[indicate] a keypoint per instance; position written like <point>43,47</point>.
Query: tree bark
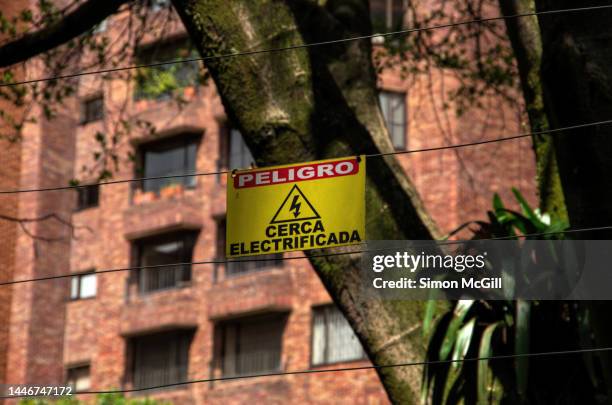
<point>314,103</point>
<point>524,34</point>
<point>577,84</point>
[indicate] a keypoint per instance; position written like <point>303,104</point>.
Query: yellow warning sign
<point>296,207</point>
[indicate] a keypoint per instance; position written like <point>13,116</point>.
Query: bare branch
<point>75,23</point>
<point>23,221</point>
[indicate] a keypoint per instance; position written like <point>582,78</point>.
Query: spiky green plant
<point>482,328</point>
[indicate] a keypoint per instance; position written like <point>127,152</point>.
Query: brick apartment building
<point>158,326</point>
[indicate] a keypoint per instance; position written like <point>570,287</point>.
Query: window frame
<point>326,362</point>
<point>71,368</point>
<point>392,125</point>
<point>179,141</point>
<point>181,342</point>
<point>161,51</point>
<point>84,196</point>
<point>392,19</point>
<point>278,319</point>
<point>275,259</point>
<point>79,279</point>
<point>188,239</point>
<point>86,118</point>
<point>226,132</point>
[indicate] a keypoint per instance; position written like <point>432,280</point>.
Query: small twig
<point>395,339</point>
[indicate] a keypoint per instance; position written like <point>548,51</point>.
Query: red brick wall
<point>48,333</point>
<point>10,156</point>
<point>37,310</point>
<point>10,167</point>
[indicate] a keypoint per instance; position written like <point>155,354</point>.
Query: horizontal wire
<point>336,370</point>
<point>309,45</point>
<point>372,155</point>
<point>313,256</point>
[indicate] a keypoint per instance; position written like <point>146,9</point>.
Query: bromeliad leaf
<point>529,212</point>
<point>486,379</point>
<point>521,344</point>
<point>464,338</point>
<point>460,312</point>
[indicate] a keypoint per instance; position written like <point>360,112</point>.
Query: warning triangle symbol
<point>295,207</point>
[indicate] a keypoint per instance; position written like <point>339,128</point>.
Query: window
<point>161,358</point>
<point>101,27</point>
<point>88,196</point>
<point>166,249</point>
<point>156,5</point>
<point>387,15</point>
<point>92,109</point>
<point>333,340</point>
<point>162,82</point>
<point>251,345</point>
<point>233,151</point>
<point>78,377</point>
<point>243,266</point>
<point>394,111</point>
<point>176,156</point>
<point>83,286</point>
<point>240,156</point>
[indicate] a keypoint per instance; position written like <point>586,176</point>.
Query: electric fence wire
<point>372,155</point>
<point>335,370</point>
<point>315,255</point>
<point>312,44</point>
<point>255,52</point>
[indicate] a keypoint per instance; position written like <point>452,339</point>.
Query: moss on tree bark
<point>317,103</point>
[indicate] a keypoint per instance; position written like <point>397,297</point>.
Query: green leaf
<point>434,375</point>
<point>430,311</point>
<point>528,211</point>
<point>464,338</point>
<point>498,205</point>
<point>521,344</point>
<point>487,388</point>
<point>460,312</point>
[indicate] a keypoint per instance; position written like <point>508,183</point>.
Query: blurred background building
<point>160,326</point>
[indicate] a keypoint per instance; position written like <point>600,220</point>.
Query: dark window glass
<point>93,109</point>
<point>240,156</point>
<point>167,249</point>
<point>156,5</point>
<point>79,378</point>
<point>243,265</point>
<point>387,15</point>
<point>393,106</point>
<point>161,358</point>
<point>333,339</point>
<point>161,82</point>
<point>88,196</point>
<point>176,156</point>
<point>233,151</point>
<point>83,286</point>
<point>251,345</point>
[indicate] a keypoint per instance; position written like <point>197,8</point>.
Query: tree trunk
<point>306,104</point>
<point>524,34</point>
<point>577,83</point>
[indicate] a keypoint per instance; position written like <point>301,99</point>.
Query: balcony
<point>261,291</point>
<point>162,215</point>
<point>164,310</point>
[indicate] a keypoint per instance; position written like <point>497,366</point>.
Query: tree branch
<point>23,221</point>
<point>75,23</point>
<point>524,34</point>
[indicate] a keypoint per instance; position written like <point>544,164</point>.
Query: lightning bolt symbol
<point>295,206</point>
